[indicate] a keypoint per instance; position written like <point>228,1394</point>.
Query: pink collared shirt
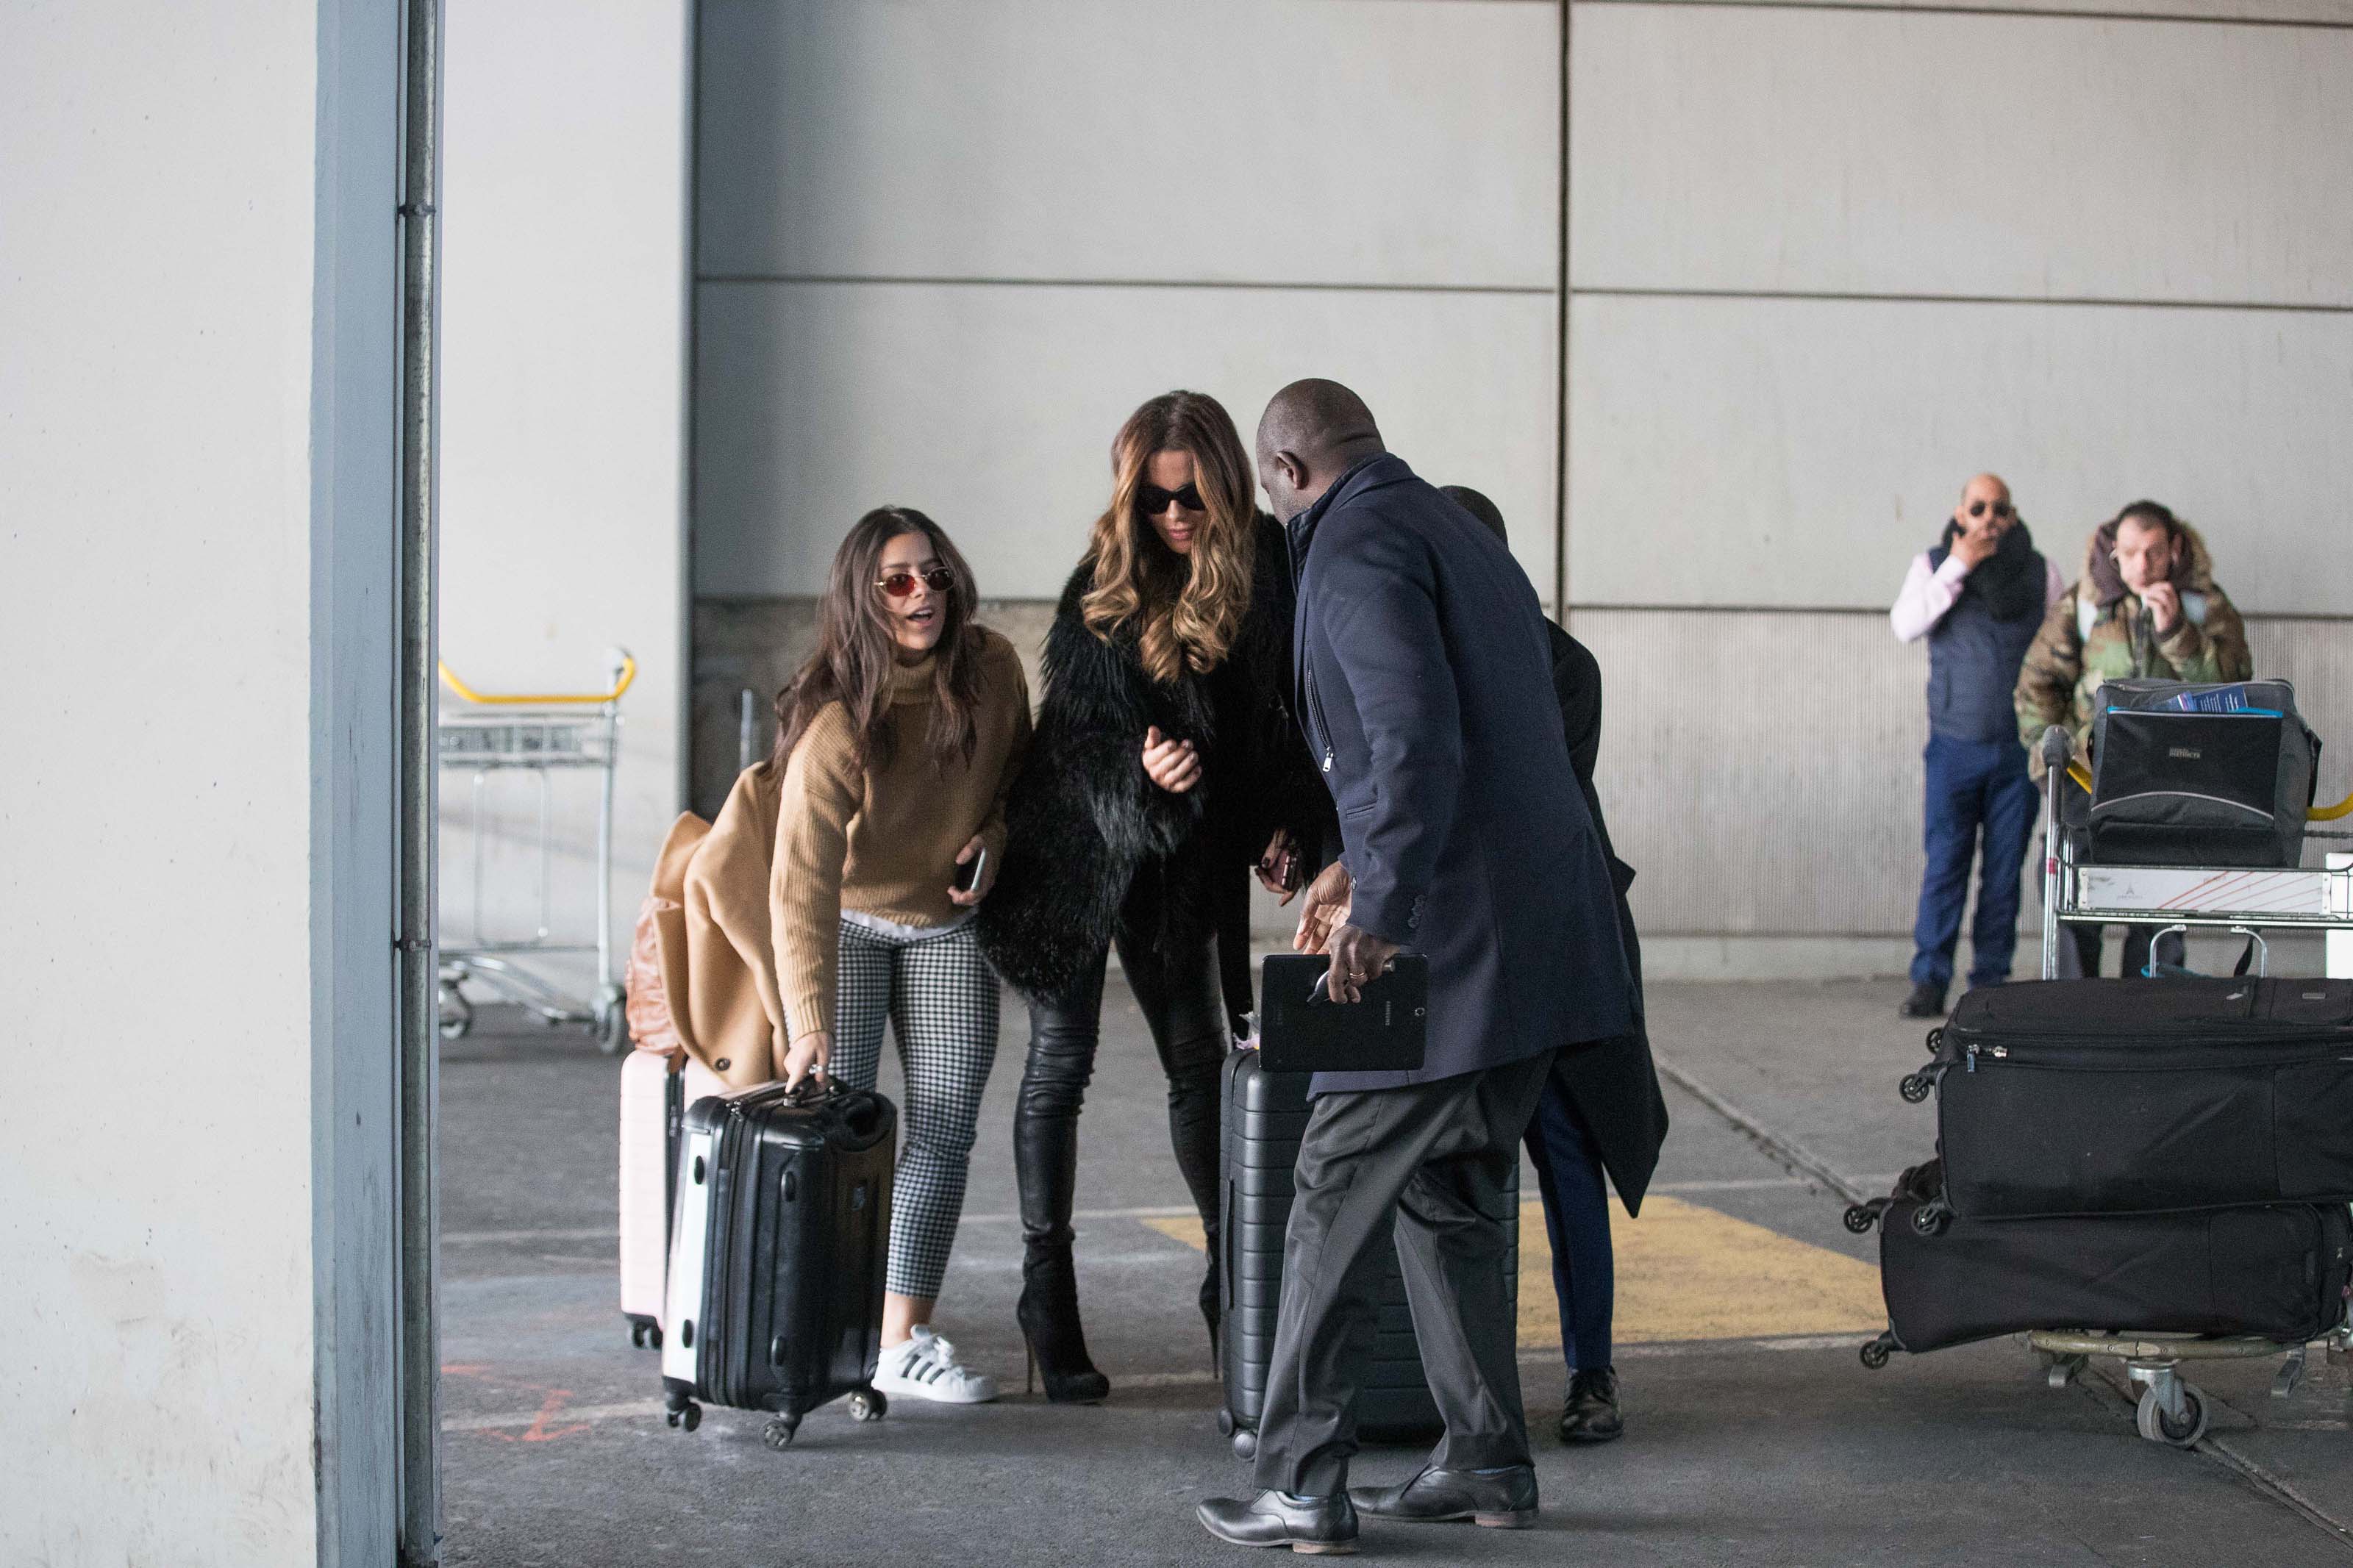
<point>1929,593</point>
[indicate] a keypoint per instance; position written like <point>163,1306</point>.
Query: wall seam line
<point>1838,297</point>
<point>1544,290</point>
<point>2037,13</point>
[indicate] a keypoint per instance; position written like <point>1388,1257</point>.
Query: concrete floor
<point>1754,1436</point>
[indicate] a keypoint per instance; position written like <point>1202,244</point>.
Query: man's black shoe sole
<point>1514,1519</point>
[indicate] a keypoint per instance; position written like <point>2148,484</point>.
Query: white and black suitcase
<point>778,1267</point>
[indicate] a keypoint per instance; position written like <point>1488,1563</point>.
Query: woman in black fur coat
<point>1166,767</point>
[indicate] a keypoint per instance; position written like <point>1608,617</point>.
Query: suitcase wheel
<point>778,1433</point>
<point>637,1335</point>
<point>689,1416</point>
<point>1860,1218</point>
<point>1929,1219</point>
<point>1915,1087</point>
<point>1224,1422</point>
<point>1245,1444</point>
<point>868,1404</point>
<point>1876,1354</point>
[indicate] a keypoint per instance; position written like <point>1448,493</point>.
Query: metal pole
<point>420,1056</point>
<point>2055,749</point>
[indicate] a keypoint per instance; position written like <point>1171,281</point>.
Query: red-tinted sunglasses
<point>899,585</point>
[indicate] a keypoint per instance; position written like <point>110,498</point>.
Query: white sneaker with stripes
<point>925,1368</point>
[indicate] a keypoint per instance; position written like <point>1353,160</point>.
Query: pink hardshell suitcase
<point>654,1097</point>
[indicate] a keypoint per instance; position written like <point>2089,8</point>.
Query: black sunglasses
<point>899,585</point>
<point>1978,508</point>
<point>1152,500</point>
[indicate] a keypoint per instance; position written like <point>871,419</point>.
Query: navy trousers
<point>1577,1216</point>
<point>1974,787</point>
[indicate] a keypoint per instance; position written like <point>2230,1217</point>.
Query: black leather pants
<point>1183,1006</point>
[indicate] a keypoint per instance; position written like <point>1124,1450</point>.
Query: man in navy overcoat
<point>1425,689</point>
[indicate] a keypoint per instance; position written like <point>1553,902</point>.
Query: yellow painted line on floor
<point>1686,1272</point>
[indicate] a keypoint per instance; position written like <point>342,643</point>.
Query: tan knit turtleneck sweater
<point>885,843</point>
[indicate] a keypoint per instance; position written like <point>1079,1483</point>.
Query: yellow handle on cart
<point>536,700</point>
<point>2313,813</point>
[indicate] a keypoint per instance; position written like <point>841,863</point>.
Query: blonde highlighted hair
<point>1185,610</point>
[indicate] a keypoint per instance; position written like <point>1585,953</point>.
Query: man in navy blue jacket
<point>1425,689</point>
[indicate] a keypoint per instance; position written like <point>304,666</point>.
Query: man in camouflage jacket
<point>2146,606</point>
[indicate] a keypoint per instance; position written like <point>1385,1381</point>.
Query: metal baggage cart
<point>540,734</point>
<point>2247,902</point>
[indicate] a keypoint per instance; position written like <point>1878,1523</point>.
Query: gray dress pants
<point>1435,1161</point>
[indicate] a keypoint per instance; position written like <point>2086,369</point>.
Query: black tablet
<point>1382,1033</point>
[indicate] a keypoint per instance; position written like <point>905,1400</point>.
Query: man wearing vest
<point>1978,598</point>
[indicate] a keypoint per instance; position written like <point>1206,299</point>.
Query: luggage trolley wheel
<point>688,1415</point>
<point>612,1020</point>
<point>868,1404</point>
<point>1224,1422</point>
<point>642,1334</point>
<point>1916,1086</point>
<point>1874,1353</point>
<point>778,1433</point>
<point>1245,1443</point>
<point>2159,1428</point>
<point>1861,1218</point>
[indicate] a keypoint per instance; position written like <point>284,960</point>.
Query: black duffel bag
<point>2200,774</point>
<point>2084,1097</point>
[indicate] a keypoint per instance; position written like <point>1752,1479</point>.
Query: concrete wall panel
<point>1767,148</point>
<point>1114,139</point>
<point>993,409</point>
<point>564,387</point>
<point>161,206</point>
<point>1741,452</point>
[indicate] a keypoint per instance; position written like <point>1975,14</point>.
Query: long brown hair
<point>1185,610</point>
<point>856,651</point>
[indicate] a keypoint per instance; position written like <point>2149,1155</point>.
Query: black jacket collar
<point>1367,474</point>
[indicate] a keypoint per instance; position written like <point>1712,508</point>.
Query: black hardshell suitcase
<point>2277,1273</point>
<point>1265,1117</point>
<point>778,1267</point>
<point>2083,1097</point>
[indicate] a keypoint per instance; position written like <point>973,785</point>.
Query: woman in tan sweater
<point>897,741</point>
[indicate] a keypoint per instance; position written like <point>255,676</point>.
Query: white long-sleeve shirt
<point>1929,593</point>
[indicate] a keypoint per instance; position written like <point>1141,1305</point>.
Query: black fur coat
<point>1092,841</point>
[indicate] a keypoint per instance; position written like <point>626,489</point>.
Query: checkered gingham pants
<point>940,997</point>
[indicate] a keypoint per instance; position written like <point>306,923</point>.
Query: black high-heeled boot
<point>1049,1315</point>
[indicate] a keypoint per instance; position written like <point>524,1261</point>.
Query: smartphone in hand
<point>967,876</point>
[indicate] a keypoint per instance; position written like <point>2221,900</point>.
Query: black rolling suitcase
<point>2277,1273</point>
<point>2083,1097</point>
<point>776,1270</point>
<point>1265,1118</point>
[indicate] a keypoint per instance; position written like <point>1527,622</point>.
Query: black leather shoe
<point>1592,1416</point>
<point>1324,1527</point>
<point>1506,1500</point>
<point>1926,1001</point>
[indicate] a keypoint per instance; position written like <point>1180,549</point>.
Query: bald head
<point>1984,509</point>
<point>1312,433</point>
